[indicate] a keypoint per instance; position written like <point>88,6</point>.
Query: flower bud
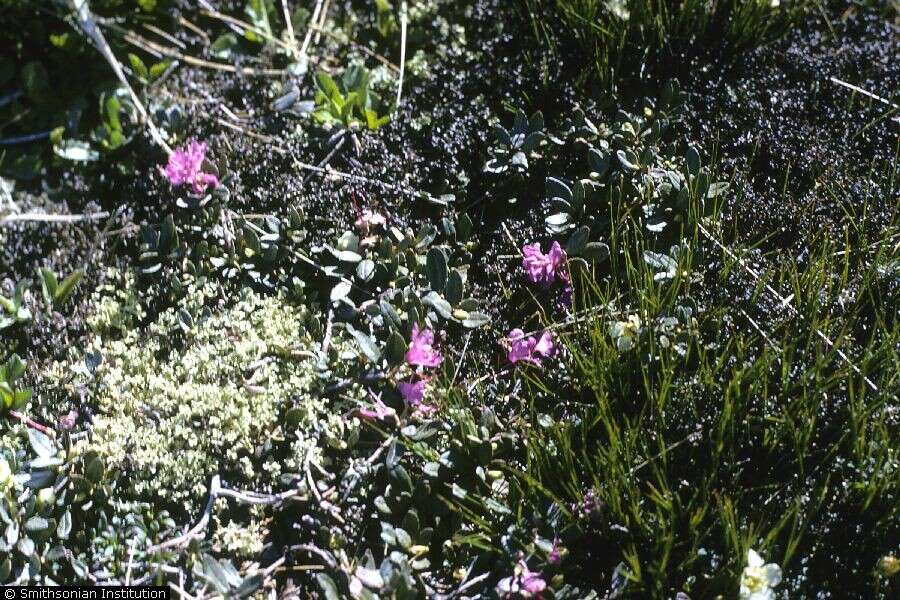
<point>890,565</point>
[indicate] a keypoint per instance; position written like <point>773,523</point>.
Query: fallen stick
<point>52,218</point>
<point>309,30</point>
<point>216,491</point>
<point>866,93</point>
<point>403,20</point>
<point>89,25</point>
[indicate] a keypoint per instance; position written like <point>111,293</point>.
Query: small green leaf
<point>692,160</point>
<point>600,162</point>
<point>67,286</point>
<point>347,256</point>
<point>49,284</point>
<point>396,348</point>
<point>558,223</point>
<point>20,399</point>
<point>40,443</point>
<point>556,188</point>
<point>371,578</point>
<point>76,151</point>
<point>436,269</point>
<point>476,319</point>
<point>454,289</point>
<point>403,538</point>
<point>26,546</point>
<point>65,526</point>
<point>158,69</point>
<point>138,66</point>
<point>36,524</point>
<point>464,228</point>
<point>329,587</point>
<point>628,160</point>
<point>327,85</point>
<point>224,46</point>
<point>340,291</point>
<point>93,466</point>
<point>578,240</point>
<point>365,270</point>
<point>366,343</point>
<point>440,305</point>
<point>597,251</point>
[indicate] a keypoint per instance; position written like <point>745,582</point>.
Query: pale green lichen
<point>200,392</point>
<point>239,538</point>
<point>116,307</point>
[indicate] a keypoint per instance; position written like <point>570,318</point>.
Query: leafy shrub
<point>62,95</point>
<point>47,493</point>
<point>348,102</point>
<point>639,172</point>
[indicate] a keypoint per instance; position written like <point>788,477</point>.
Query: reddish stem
<point>32,423</point>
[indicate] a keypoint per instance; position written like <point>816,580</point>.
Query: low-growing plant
<point>511,148</point>
<point>14,311</point>
<point>265,368</point>
<point>57,292</point>
<point>637,173</point>
<point>348,101</point>
<point>55,78</point>
<point>47,497</point>
<point>12,395</point>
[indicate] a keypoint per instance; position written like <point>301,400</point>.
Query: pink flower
<point>529,349</point>
<point>414,394</point>
<point>555,556</point>
<point>544,268</point>
<point>380,411</point>
<point>185,168</point>
<point>522,584</point>
<point>421,349</point>
<point>532,584</point>
<point>369,219</point>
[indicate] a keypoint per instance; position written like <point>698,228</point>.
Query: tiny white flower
<point>759,578</point>
<point>6,475</point>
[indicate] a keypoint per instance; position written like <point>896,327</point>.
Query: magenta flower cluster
<point>529,349</point>
<point>421,349</point>
<point>186,168</point>
<point>544,268</point>
<point>547,268</point>
<point>421,353</point>
<point>379,412</point>
<point>413,393</point>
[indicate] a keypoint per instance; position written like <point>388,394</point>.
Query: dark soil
<point>810,156</point>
